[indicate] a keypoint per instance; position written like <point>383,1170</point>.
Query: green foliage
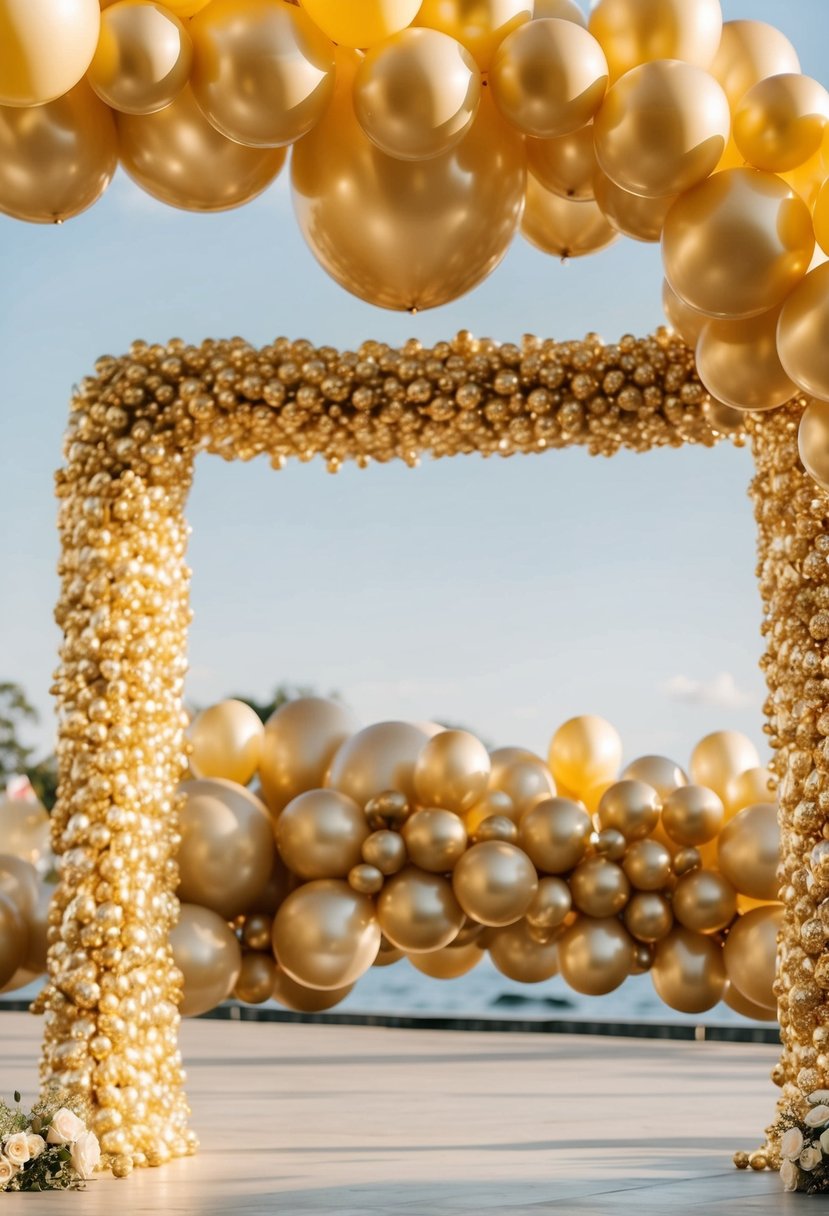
<point>16,713</point>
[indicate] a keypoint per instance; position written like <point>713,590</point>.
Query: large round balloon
<point>449,963</point>
<point>418,911</point>
<point>143,57</point>
<point>321,833</point>
<point>659,772</point>
<point>45,48</point>
<point>452,771</point>
<point>688,322</point>
<point>520,957</point>
<point>208,955</point>
<point>301,739</point>
<point>738,363</point>
<point>692,815</point>
<point>566,165</point>
<point>481,25</point>
<point>751,786</point>
<point>780,122</point>
<point>226,741</point>
<point>640,218</point>
<point>748,851</point>
<point>522,776</point>
<point>435,840</point>
<point>585,751</point>
<point>631,807</point>
<point>599,887</point>
<point>735,1000</point>
<point>803,333</point>
<point>288,993</point>
<point>595,956</point>
<point>495,883</point>
<point>704,901</point>
<point>325,935</point>
<point>688,971</point>
<point>363,24</point>
<point>636,31</point>
<point>564,227</point>
<point>378,758</point>
<point>555,834</point>
<point>751,954</point>
<point>750,51</point>
<point>719,757</point>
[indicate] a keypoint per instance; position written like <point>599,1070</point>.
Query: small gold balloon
<point>387,955</point>
<point>449,963</point>
<point>389,809</point>
<point>366,879</point>
<point>688,971</point>
<point>519,957</point>
<point>566,165</point>
<point>735,1000</point>
<point>142,61</point>
<point>481,25</point>
<point>750,51</point>
<point>207,953</point>
<point>452,771</point>
<point>686,860</point>
<point>418,911</point>
<point>636,31</point>
<point>550,904</point>
<point>704,901</point>
<point>692,815</point>
<point>659,772</point>
<point>564,227</point>
<point>300,741</point>
<point>494,883</point>
<point>555,835</point>
<point>647,864</point>
<point>257,931</point>
<point>599,887</point>
<point>723,418</point>
<point>494,803</point>
<point>642,958</point>
<point>738,363</point>
<point>719,757</point>
<point>630,806</point>
<point>385,850</point>
<point>522,776</point>
<point>496,827</point>
<point>291,995</point>
<point>748,788</point>
<point>780,122</point>
<point>631,214</point>
<point>325,935</point>
<point>226,741</point>
<point>595,956</point>
<point>378,758</point>
<point>256,978</point>
<point>45,48</point>
<point>611,844</point>
<point>688,322</point>
<point>470,931</point>
<point>750,954</point>
<point>801,343</point>
<point>585,751</point>
<point>749,850</point>
<point>363,24</point>
<point>320,834</point>
<point>648,916</point>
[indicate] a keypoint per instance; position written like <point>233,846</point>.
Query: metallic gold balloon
<point>599,887</point>
<point>723,418</point>
<point>256,978</point>
<point>19,882</point>
<point>493,804</point>
<point>495,883</point>
<point>748,788</point>
<point>688,971</point>
<point>636,31</point>
<point>418,911</point>
<point>686,860</point>
<point>662,129</point>
<point>227,742</point>
<point>38,926</point>
<point>320,834</point>
<point>748,851</point>
<point>550,904</point>
<point>566,165</point>
<point>366,879</point>
<point>738,363</point>
<point>378,758</point>
<point>45,48</point>
<point>417,94</point>
<point>388,809</point>
<point>659,772</point>
<point>227,852</point>
<point>177,156</point>
<point>813,441</point>
<point>610,843</point>
<point>481,25</point>
<point>692,815</point>
<point>363,24</point>
<point>642,958</point>
<point>821,216</point>
<point>279,886</point>
<point>470,931</point>
<point>688,322</point>
<point>325,935</point>
<point>735,1000</point>
<point>647,864</point>
<point>648,916</point>
<point>407,234</point>
<point>435,840</point>
<point>632,807</point>
<point>496,827</point>
<point>291,995</point>
<point>14,938</point>
<point>522,776</point>
<point>452,771</point>
<point>750,954</point>
<point>449,963</point>
<point>802,336</point>
<point>56,159</point>
<point>385,850</point>
<point>565,10</point>
<point>21,979</point>
<point>780,122</point>
<point>725,277</point>
<point>257,931</point>
<point>519,957</point>
<point>750,51</point>
<point>262,71</point>
<point>595,956</point>
<point>633,216</point>
<point>387,955</point>
<point>207,953</point>
<point>301,739</point>
<point>555,835</point>
<point>704,901</point>
<point>564,227</point>
<point>184,8</point>
<point>585,751</point>
<point>143,57</point>
<point>719,757</point>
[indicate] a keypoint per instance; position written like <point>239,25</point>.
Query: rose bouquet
<point>804,1148</point>
<point>49,1149</point>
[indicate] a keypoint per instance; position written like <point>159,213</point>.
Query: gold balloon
<point>564,227</point>
<point>640,218</point>
<point>780,122</point>
<point>207,953</point>
<point>565,10</point>
<point>257,931</point>
<point>19,882</point>
<point>262,71</point>
<point>610,843</point>
<point>325,935</point>
<point>723,418</point>
<point>378,758</point>
<point>599,887</point>
<point>481,25</point>
<point>704,901</point>
<point>435,840</point>
<point>555,835</point>
<point>632,807</point>
<point>56,159</point>
<point>492,804</point>
<point>802,337</point>
<point>366,879</point>
<point>177,156</point>
<point>595,956</point>
<point>749,850</point>
<point>183,8</point>
<point>688,322</point>
<point>387,955</point>
<point>686,860</point>
<point>750,954</point>
<point>750,51</point>
<point>636,31</point>
<point>647,864</point>
<point>291,995</point>
<point>278,887</point>
<point>417,94</point>
<point>320,834</point>
<point>813,441</point>
<point>727,277</point>
<point>662,129</point>
<point>227,742</point>
<point>550,904</point>
<point>449,963</point>
<point>519,957</point>
<point>301,739</point>
<point>821,216</point>
<point>256,978</point>
<point>385,850</point>
<point>495,883</point>
<point>566,165</point>
<point>548,77</point>
<point>14,938</point>
<point>143,57</point>
<point>226,853</point>
<point>21,979</point>
<point>688,971</point>
<point>738,363</point>
<point>470,931</point>
<point>735,1000</point>
<point>585,751</point>
<point>747,788</point>
<point>496,827</point>
<point>591,798</point>
<point>389,809</point>
<point>719,757</point>
<point>418,911</point>
<point>659,772</point>
<point>407,234</point>
<point>648,916</point>
<point>692,815</point>
<point>522,776</point>
<point>45,48</point>
<point>452,771</point>
<point>363,24</point>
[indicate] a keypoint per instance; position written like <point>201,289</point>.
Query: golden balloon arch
<point>112,1000</point>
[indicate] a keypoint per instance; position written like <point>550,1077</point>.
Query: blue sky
<point>506,595</point>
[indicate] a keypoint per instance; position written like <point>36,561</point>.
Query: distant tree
<point>16,713</point>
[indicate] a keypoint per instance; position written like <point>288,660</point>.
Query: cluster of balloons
<point>358,847</point>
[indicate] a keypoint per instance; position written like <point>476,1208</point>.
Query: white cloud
<point>720,692</point>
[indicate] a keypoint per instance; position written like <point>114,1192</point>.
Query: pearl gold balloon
<point>648,916</point>
<point>747,788</point>
<point>813,441</point>
<point>750,954</point>
<point>780,122</point>
<point>735,1000</point>
<point>368,880</point>
<point>719,757</point>
<point>555,835</point>
<point>749,51</point>
<point>45,48</point>
<point>493,803</point>
<point>226,853</point>
<point>418,911</point>
<point>56,159</point>
<point>257,931</point>
<point>389,809</point>
<point>704,901</point>
<point>595,956</point>
<point>178,157</point>
<point>686,860</point>
<point>564,227</point>
<point>692,815</point>
<point>256,978</point>
<point>566,165</point>
<point>325,935</point>
<point>599,887</point>
<point>610,843</point>
<point>385,850</point>
<point>449,963</point>
<point>452,771</point>
<point>688,322</point>
<point>321,834</point>
<point>688,971</point>
<point>725,277</point>
<point>637,31</point>
<point>748,851</point>
<point>226,741</point>
<point>802,335</point>
<point>550,904</point>
<point>143,57</point>
<point>481,25</point>
<point>417,94</point>
<point>565,10</point>
<point>207,953</point>
<point>522,776</point>
<point>301,739</point>
<point>661,773</point>
<point>495,883</point>
<point>647,864</point>
<point>519,957</point>
<point>738,363</point>
<point>496,827</point>
<point>632,807</point>
<point>288,993</point>
<point>585,751</point>
<point>378,758</point>
<point>435,840</point>
<point>262,71</point>
<point>633,216</point>
<point>363,24</point>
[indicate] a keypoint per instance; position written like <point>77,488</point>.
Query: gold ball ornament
<point>738,363</point>
<point>758,1161</point>
<point>719,757</point>
<point>321,834</point>
<point>256,978</point>
<point>226,741</point>
<point>636,31</point>
<point>599,887</point>
<point>780,122</point>
<point>291,995</point>
<point>45,48</point>
<point>518,956</point>
<point>566,165</point>
<point>325,935</point>
<point>257,931</point>
<point>563,227</point>
<point>640,218</point>
<point>686,321</point>
<point>378,758</point>
<point>207,953</point>
<point>740,1159</point>
<point>749,51</point>
<point>452,771</point>
<point>550,905</point>
<point>389,809</point>
<point>735,1000</point>
<point>813,441</point>
<point>750,954</point>
<point>585,751</point>
<point>449,963</point>
<point>143,57</point>
<point>802,334</point>
<point>648,916</point>
<point>481,25</point>
<point>595,956</point>
<point>494,883</point>
<point>704,901</point>
<point>366,879</point>
<point>363,24</point>
<point>692,815</point>
<point>385,850</point>
<point>496,827</point>
<point>748,788</point>
<point>494,803</point>
<point>749,851</point>
<point>301,739</point>
<point>418,911</point>
<point>631,807</point>
<point>555,835</point>
<point>688,971</point>
<point>647,864</point>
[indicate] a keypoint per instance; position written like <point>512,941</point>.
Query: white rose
<point>66,1127</point>
<point>791,1144</point>
<point>16,1148</point>
<point>86,1154</point>
<point>824,1141</point>
<point>789,1175</point>
<point>810,1157</point>
<point>820,1096</point>
<point>818,1116</point>
<point>37,1145</point>
<point>7,1171</point>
